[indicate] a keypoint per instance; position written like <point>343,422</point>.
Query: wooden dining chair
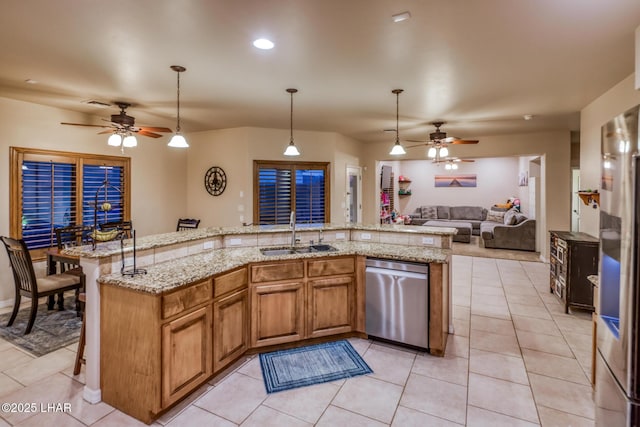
<point>28,285</point>
<point>73,235</point>
<point>187,224</point>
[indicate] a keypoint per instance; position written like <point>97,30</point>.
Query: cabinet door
<point>186,354</point>
<point>330,308</point>
<point>230,328</point>
<point>277,313</point>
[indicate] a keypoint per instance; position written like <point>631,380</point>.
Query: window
<point>282,187</point>
<point>51,189</point>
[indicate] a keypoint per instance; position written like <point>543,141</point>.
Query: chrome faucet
<point>292,226</point>
<point>320,236</point>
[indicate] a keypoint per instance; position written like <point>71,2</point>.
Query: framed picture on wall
<point>523,179</point>
<point>456,181</point>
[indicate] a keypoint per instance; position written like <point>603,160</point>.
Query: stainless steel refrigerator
<point>617,393</point>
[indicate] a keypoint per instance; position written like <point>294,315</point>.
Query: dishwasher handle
<point>397,273</point>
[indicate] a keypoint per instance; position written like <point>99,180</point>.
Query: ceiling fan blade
<point>467,160</point>
<point>106,131</point>
<point>155,129</point>
<point>82,124</point>
<point>418,140</point>
<point>424,144</point>
<point>465,141</point>
<point>147,133</point>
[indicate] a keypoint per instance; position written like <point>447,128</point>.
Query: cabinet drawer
<point>277,271</point>
<point>328,267</point>
<point>229,282</point>
<point>186,298</point>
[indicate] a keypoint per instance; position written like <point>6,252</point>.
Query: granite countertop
<point>105,249</point>
<point>172,274</point>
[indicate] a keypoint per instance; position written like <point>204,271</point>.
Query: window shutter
<point>274,195</point>
<point>310,193</point>
<point>48,201</point>
<point>94,178</point>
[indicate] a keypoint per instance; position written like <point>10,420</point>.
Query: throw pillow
<point>510,217</point>
<point>520,218</point>
<point>429,212</point>
<point>443,212</point>
<point>495,216</point>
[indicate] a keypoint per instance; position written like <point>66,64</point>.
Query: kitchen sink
<point>297,250</point>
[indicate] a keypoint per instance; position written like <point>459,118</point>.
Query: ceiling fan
<point>123,124</point>
<point>439,138</point>
<point>451,163</point>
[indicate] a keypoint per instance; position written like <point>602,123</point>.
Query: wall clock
<point>215,181</point>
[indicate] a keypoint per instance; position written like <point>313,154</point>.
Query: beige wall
<point>158,172</point>
<point>234,150</point>
<point>616,100</point>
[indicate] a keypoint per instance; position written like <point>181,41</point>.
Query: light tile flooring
<point>515,360</point>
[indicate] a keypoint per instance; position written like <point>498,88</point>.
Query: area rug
<point>474,248</point>
<point>314,364</point>
<point>51,331</point>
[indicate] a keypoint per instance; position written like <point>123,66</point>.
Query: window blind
<point>48,201</point>
<point>275,188</point>
<point>310,196</point>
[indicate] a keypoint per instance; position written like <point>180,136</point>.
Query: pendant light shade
<point>129,141</point>
<point>444,151</point>
<point>291,149</point>
<point>115,140</point>
<point>178,140</point>
<point>397,149</point>
<point>431,153</point>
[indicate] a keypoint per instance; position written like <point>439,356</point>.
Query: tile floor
<point>515,360</point>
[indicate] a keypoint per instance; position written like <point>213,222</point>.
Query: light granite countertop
<point>169,275</point>
<point>106,249</point>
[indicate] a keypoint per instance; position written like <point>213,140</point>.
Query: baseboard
<point>6,303</point>
<point>92,396</point>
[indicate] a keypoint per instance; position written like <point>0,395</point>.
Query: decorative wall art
<point>523,179</point>
<point>456,180</point>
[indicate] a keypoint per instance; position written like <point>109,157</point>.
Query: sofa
<point>474,215</point>
<point>508,230</point>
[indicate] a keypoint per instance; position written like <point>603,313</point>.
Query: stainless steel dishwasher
<point>397,299</point>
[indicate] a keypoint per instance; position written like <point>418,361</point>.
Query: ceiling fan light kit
<point>129,141</point>
<point>291,149</point>
<point>397,149</point>
<point>177,140</point>
<point>115,140</point>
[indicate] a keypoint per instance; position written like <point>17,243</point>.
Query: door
<point>231,328</point>
<point>277,313</point>
<point>330,306</point>
<point>354,194</point>
<point>186,354</point>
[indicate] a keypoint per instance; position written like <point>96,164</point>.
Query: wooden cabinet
<point>230,317</point>
<point>330,307</point>
<point>302,299</point>
<point>277,313</point>
<point>573,257</point>
<point>186,354</point>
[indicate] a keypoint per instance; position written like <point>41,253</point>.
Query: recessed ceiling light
<point>528,116</point>
<point>263,44</point>
<point>31,81</point>
<point>399,17</point>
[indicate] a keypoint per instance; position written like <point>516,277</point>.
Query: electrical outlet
<point>427,240</point>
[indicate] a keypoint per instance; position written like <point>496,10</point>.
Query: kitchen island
<point>210,296</point>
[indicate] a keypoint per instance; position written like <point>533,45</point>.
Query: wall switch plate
<point>365,236</point>
<point>208,245</point>
<point>340,236</point>
<point>427,240</point>
<point>235,242</point>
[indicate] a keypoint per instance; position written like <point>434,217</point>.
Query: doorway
<point>353,203</point>
<point>575,200</point>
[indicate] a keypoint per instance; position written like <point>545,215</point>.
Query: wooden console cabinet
<point>573,257</point>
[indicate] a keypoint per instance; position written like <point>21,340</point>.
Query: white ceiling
<point>479,65</point>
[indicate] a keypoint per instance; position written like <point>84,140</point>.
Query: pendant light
<point>397,149</point>
<point>178,140</point>
<point>291,150</point>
